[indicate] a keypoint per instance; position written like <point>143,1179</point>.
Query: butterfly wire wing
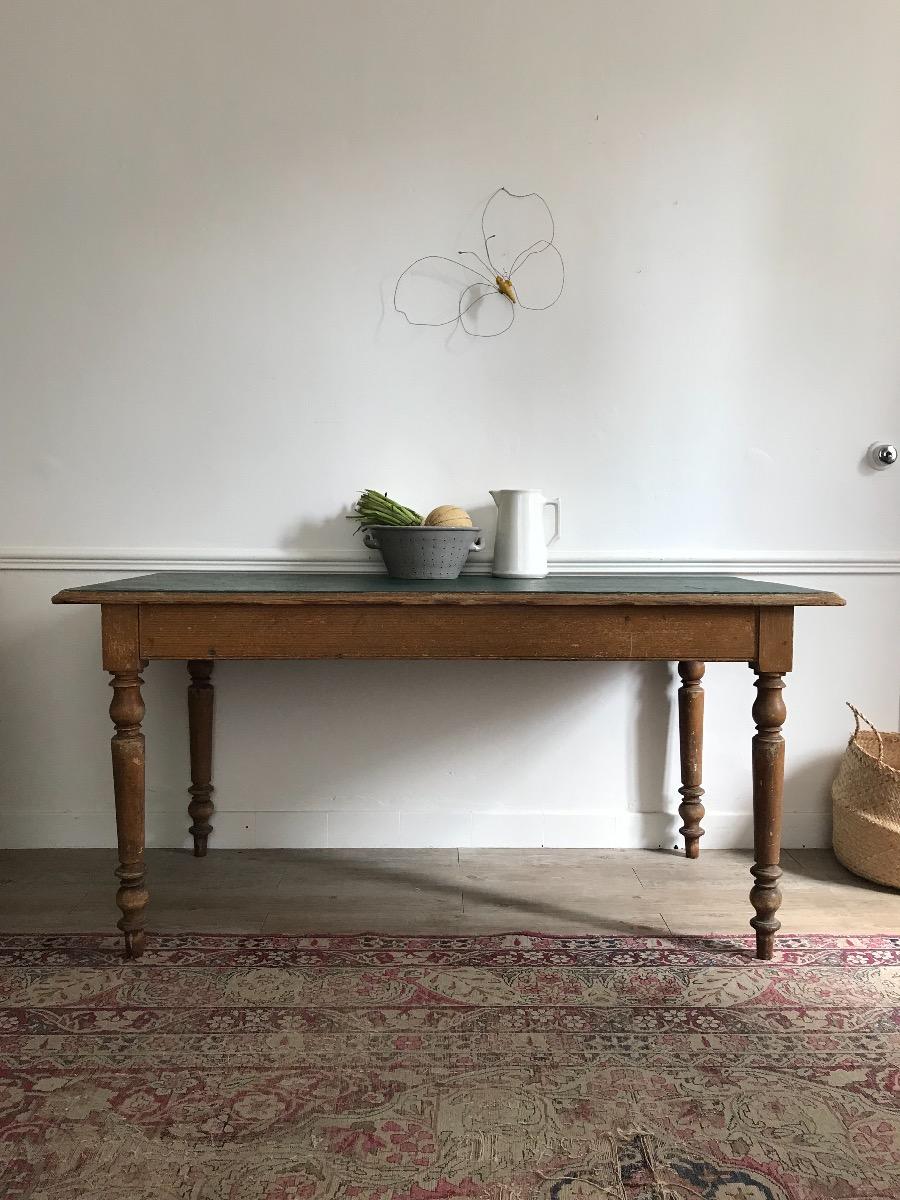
<point>519,231</point>
<point>430,290</point>
<point>484,311</point>
<point>511,224</point>
<point>540,278</point>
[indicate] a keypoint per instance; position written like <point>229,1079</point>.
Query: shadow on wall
<point>431,738</point>
<point>329,532</point>
<point>333,531</point>
<point>811,779</point>
<point>648,737</point>
<point>421,736</point>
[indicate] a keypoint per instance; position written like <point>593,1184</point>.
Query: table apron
<point>454,631</point>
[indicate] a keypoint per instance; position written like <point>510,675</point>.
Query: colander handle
<point>478,544</point>
<point>371,540</point>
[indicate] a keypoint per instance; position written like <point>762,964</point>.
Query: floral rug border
<point>183,948</point>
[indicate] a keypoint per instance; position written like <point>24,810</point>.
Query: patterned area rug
<point>506,1067</point>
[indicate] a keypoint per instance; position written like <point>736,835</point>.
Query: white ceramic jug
<point>520,549</point>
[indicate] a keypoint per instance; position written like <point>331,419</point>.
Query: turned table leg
<point>690,730</point>
<point>769,713</point>
<point>127,712</point>
<point>200,724</point>
<point>122,658</point>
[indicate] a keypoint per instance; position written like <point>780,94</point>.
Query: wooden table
<point>202,616</point>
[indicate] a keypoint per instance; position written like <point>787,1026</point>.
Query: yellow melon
<point>448,515</point>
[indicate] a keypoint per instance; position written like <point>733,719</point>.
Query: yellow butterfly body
<point>506,287</point>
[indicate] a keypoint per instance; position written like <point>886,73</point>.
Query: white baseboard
<point>148,558</point>
<point>401,829</point>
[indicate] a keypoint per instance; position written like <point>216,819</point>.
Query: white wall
<point>204,210</point>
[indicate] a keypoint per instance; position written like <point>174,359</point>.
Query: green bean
<point>377,508</point>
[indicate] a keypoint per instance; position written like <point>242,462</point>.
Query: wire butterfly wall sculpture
<point>483,299</point>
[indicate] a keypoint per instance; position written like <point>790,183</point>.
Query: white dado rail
<point>78,558</point>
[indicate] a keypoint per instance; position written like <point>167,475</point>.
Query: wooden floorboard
<point>437,891</point>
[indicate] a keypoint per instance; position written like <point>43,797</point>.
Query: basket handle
<point>858,716</point>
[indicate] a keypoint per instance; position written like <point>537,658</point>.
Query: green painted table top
<point>208,586</point>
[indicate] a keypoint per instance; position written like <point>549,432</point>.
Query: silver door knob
<point>882,454</point>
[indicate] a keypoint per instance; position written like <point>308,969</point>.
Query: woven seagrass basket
<point>866,795</point>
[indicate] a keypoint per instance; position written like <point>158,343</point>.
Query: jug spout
<point>495,496</point>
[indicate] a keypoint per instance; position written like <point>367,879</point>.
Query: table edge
<point>810,599</point>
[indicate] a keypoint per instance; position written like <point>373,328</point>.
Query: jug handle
<point>554,504</point>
